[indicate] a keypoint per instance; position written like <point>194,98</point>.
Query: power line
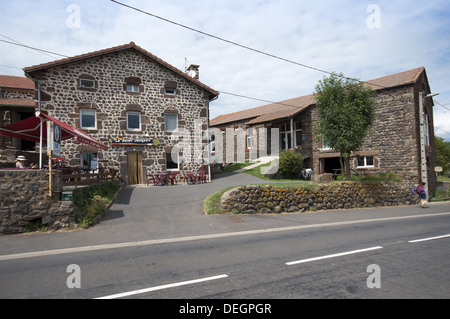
<point>235,43</point>
<point>33,48</point>
<point>441,105</point>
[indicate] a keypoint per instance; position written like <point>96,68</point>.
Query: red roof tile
<point>16,82</point>
<point>291,107</point>
<point>17,102</point>
<point>128,46</point>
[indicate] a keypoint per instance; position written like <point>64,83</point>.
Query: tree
<point>442,153</point>
<point>346,110</point>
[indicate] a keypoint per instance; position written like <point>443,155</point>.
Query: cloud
<point>329,35</point>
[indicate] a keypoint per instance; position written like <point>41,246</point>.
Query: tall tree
<point>442,153</point>
<point>346,110</point>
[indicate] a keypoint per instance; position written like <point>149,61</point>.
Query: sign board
<point>56,140</point>
<point>133,141</point>
<point>438,169</point>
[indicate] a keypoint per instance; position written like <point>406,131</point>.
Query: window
<point>172,162</point>
<point>132,88</point>
<point>170,88</point>
<point>88,119</point>
<point>365,161</point>
<point>426,129</point>
<point>250,137</point>
<point>133,121</point>
<point>298,133</point>
<point>325,147</point>
<point>170,122</point>
<point>212,140</point>
<point>86,83</point>
<point>169,91</point>
<point>89,161</point>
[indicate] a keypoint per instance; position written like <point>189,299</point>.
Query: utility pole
<point>423,156</point>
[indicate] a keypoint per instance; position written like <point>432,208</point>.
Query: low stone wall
<point>24,199</point>
<point>345,195</point>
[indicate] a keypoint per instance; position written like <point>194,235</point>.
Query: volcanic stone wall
<point>345,195</point>
<point>24,199</point>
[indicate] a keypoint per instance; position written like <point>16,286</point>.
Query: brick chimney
<point>193,71</point>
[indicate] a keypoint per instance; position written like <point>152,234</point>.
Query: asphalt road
<point>343,254</point>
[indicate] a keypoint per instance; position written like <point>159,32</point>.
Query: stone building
<point>392,145</point>
<point>16,103</point>
<point>143,107</point>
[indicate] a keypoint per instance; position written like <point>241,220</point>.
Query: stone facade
<point>122,81</point>
<point>392,145</point>
<point>24,199</point>
<point>346,195</point>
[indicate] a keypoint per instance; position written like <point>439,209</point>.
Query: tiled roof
<point>17,102</point>
<point>291,107</point>
<point>128,46</point>
<point>16,82</point>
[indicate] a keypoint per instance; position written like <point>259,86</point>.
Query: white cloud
<point>330,35</point>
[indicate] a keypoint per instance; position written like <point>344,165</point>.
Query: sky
<point>361,39</point>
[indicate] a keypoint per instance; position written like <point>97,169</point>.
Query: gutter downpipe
<point>208,137</point>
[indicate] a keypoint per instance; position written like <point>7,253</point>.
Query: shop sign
<point>120,141</point>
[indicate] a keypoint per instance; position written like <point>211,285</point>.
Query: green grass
<point>256,171</point>
<point>211,204</point>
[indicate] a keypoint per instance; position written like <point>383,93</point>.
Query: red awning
<point>28,129</point>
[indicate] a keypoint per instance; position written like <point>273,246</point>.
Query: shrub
<point>291,164</point>
<point>92,201</point>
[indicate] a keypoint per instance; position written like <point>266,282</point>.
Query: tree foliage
<point>346,110</point>
<point>442,154</point>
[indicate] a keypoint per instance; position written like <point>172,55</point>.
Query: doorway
<point>134,171</point>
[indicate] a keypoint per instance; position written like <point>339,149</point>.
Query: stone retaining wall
<point>24,199</point>
<point>345,195</point>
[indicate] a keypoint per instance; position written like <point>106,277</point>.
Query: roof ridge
<point>130,45</point>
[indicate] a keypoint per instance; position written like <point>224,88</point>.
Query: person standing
<point>422,191</point>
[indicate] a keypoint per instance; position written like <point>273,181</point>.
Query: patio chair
<point>201,177</point>
<point>152,178</point>
<point>189,177</point>
<point>172,176</point>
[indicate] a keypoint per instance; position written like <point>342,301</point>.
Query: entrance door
<point>134,168</point>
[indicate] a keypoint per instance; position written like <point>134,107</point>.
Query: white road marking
<point>429,238</point>
<point>177,284</point>
<point>332,256</point>
<point>203,237</point>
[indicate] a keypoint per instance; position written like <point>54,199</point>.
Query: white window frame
<point>132,88</point>
<point>177,161</point>
<point>296,129</point>
<point>166,116</point>
<point>365,162</point>
<point>95,119</point>
<point>132,128</point>
<point>249,134</point>
<point>86,86</point>
<point>170,91</point>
